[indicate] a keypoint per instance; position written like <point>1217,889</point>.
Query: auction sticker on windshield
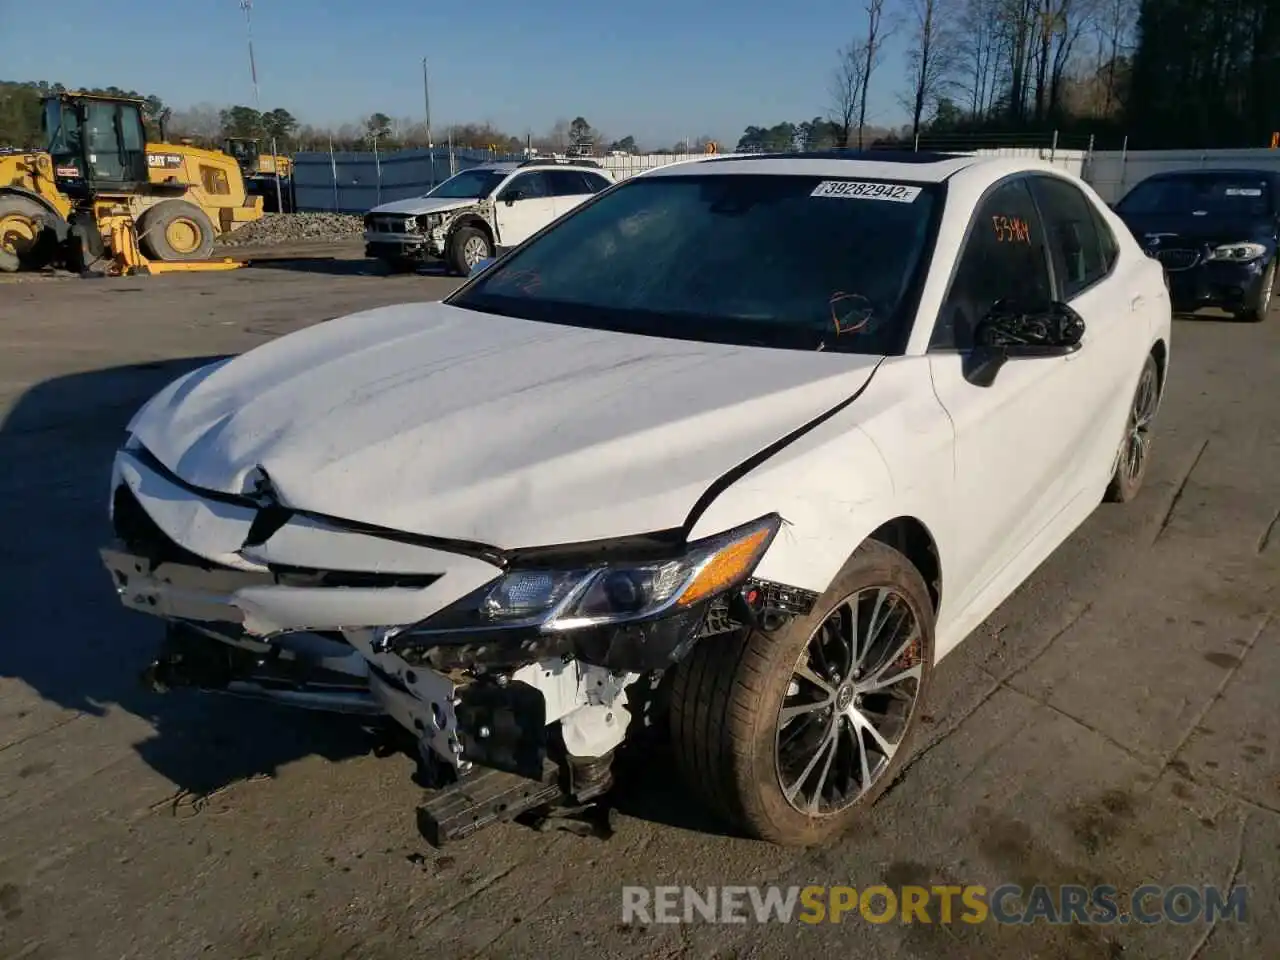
<point>862,190</point>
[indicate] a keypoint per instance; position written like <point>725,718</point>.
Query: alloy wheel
<point>1137,445</point>
<point>474,250</point>
<point>850,701</point>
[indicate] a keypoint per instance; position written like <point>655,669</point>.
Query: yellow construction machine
<point>102,192</point>
<point>253,162</point>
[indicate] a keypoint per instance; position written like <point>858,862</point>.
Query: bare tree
<point>1073,17</point>
<point>932,56</point>
<point>846,90</point>
<point>979,48</point>
<point>1019,22</point>
<point>877,31</point>
<point>201,123</point>
<point>1115,22</point>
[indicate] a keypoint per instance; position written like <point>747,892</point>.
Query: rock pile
<point>292,227</point>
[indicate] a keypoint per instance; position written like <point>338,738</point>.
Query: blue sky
<point>658,69</point>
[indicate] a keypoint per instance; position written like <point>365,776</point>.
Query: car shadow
<point>342,267</point>
<point>69,639</point>
<point>645,789</point>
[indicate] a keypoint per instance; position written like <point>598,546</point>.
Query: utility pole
<point>247,7</point>
<point>426,97</point>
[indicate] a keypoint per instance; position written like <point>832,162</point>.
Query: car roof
<point>537,163</point>
<point>1213,172</point>
<point>917,166</point>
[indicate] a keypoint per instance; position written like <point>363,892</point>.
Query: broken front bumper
<point>404,246</point>
<point>495,719</point>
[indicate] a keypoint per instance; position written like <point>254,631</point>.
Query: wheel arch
<point>34,197</point>
<point>471,220</point>
<point>912,538</point>
<point>1160,350</point>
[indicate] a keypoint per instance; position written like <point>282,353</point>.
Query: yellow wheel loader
<point>101,192</point>
<point>267,175</point>
<point>248,153</point>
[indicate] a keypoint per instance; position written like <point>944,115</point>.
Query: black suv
<point>1215,231</point>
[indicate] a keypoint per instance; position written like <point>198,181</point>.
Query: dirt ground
<point>1114,722</point>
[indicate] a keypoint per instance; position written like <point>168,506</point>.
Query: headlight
<point>554,600</point>
<point>1238,252</point>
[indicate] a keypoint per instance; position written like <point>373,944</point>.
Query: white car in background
<point>747,445</point>
<point>475,214</point>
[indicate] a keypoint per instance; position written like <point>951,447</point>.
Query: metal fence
<point>355,182</point>
<point>1112,173</point>
<point>349,182</point>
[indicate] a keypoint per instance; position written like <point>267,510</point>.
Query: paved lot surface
<point>1114,722</point>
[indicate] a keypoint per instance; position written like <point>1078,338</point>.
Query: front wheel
<point>1256,312</point>
<point>791,735</point>
<point>176,231</point>
<point>467,247</point>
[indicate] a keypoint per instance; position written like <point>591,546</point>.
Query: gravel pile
<point>292,227</point>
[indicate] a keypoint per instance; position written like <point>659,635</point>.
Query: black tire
<point>154,226</point>
<point>726,698</point>
<point>84,246</point>
<point>463,241</point>
<point>1256,312</point>
<point>1126,479</point>
<point>36,251</point>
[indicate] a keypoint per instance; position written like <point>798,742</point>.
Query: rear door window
<point>567,183</point>
<point>1072,232</point>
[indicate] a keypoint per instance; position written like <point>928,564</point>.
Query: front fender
<point>832,488</point>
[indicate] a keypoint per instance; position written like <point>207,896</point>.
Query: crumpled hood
<point>434,420</point>
<point>417,206</point>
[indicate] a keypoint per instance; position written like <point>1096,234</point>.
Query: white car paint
<point>417,206</point>
<point>549,427</point>
<point>431,421</point>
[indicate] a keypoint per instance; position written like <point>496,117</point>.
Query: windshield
<point>783,261</point>
<point>1203,194</point>
<point>468,185</point>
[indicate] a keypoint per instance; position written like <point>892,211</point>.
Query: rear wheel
<point>1135,448</point>
<point>467,247</point>
<point>791,735</point>
<point>1256,312</point>
<point>176,230</point>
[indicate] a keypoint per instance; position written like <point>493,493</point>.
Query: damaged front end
<point>417,237</point>
<point>512,670</point>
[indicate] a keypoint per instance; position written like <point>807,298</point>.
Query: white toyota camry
<point>739,449</point>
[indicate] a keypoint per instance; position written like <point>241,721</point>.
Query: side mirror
<point>480,267</point>
<point>511,196</point>
<point>1012,332</point>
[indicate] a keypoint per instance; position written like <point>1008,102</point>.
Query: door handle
<point>1137,302</point>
